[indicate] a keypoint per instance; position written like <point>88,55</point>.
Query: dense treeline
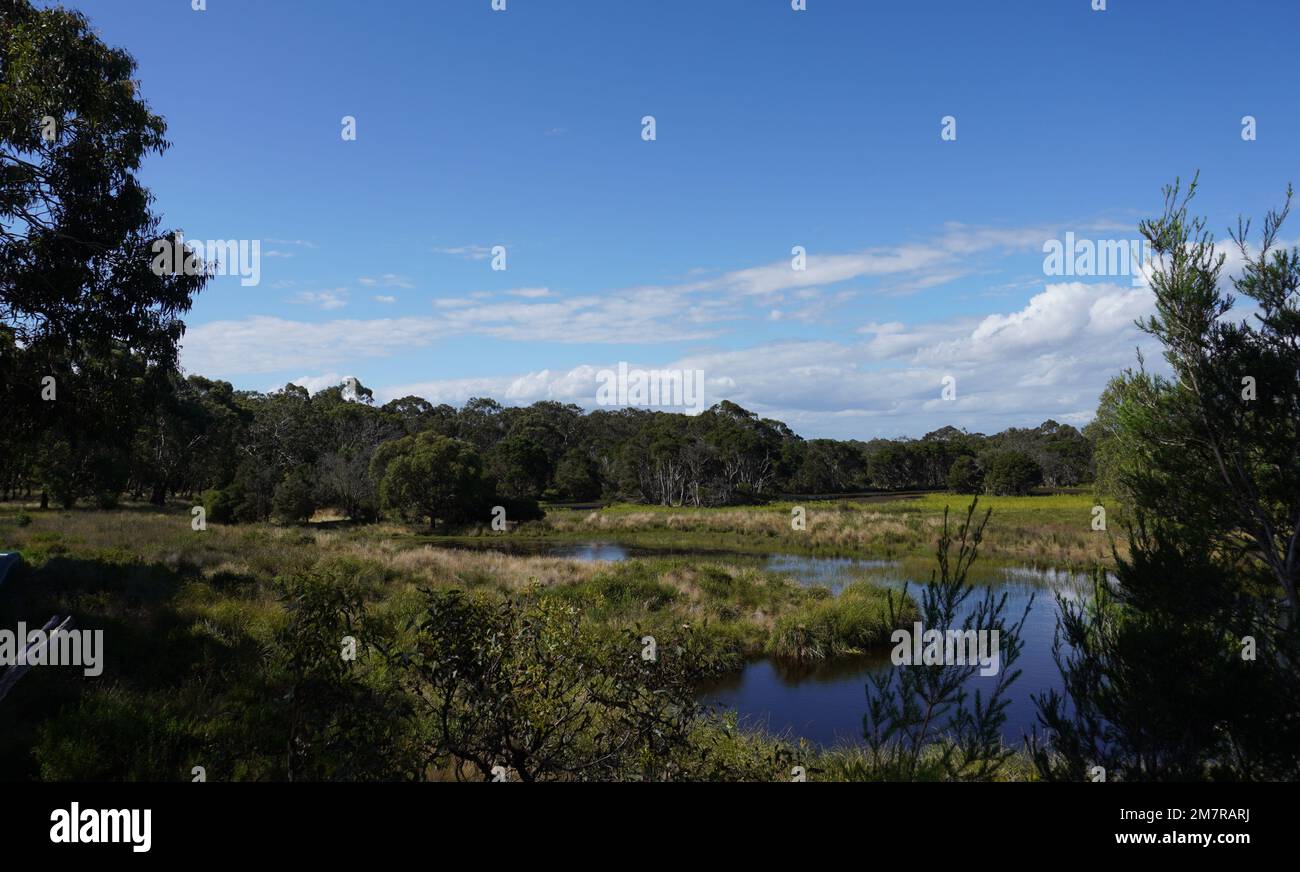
<point>252,456</point>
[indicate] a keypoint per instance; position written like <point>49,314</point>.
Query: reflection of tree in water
<point>793,673</point>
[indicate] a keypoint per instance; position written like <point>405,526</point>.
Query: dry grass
<point>1041,531</point>
<point>224,575</point>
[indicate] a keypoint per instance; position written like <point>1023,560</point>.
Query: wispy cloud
<point>331,299</point>
<point>468,252</point>
<point>1050,355</point>
<point>1049,358</point>
<point>387,280</point>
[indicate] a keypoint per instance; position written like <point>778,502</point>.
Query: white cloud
<point>1050,358</point>
<point>332,299</point>
<point>313,383</point>
<point>266,344</point>
<point>387,280</point>
<point>468,252</point>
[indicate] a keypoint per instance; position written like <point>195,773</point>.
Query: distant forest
<point>253,456</point>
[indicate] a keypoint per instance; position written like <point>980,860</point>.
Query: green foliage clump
<point>1010,473</point>
<point>965,476</point>
<point>295,498</point>
<point>526,690</point>
<point>431,476</point>
<point>854,622</point>
<point>219,505</point>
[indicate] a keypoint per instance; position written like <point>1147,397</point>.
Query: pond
<point>825,703</point>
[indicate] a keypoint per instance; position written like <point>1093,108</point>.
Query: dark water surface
<point>825,704</point>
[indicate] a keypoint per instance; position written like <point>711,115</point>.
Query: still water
<point>825,703</point>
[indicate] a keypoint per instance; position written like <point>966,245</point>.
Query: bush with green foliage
<point>433,477</point>
<point>530,691</point>
<point>342,719</point>
<point>219,505</point>
<point>1011,473</point>
<point>295,498</point>
<point>965,476</point>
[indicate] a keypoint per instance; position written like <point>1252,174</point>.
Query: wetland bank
<point>787,637</point>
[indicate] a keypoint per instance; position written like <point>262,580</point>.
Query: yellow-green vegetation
<point>1044,531</point>
<point>740,751</point>
<point>195,626</point>
<point>222,573</point>
<point>851,623</point>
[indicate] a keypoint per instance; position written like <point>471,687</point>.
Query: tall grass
<point>1047,531</point>
<point>855,622</point>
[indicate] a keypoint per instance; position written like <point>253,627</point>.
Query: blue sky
<point>775,129</point>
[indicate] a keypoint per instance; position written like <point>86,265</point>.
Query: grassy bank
<point>1042,531</point>
<point>191,621</point>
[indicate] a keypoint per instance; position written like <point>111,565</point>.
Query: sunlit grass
<point>1043,531</point>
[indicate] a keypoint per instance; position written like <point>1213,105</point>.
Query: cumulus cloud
<point>1050,358</point>
<point>313,383</point>
<point>265,344</point>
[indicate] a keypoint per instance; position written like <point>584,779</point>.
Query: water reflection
<point>824,702</point>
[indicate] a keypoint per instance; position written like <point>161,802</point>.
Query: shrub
<point>1011,473</point>
<point>965,476</point>
<point>527,686</point>
<point>219,504</point>
<point>294,498</point>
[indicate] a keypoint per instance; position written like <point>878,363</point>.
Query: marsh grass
<point>855,622</point>
<point>1042,531</point>
<point>189,617</point>
<point>191,620</point>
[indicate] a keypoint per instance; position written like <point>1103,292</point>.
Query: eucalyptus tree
<point>81,309</point>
